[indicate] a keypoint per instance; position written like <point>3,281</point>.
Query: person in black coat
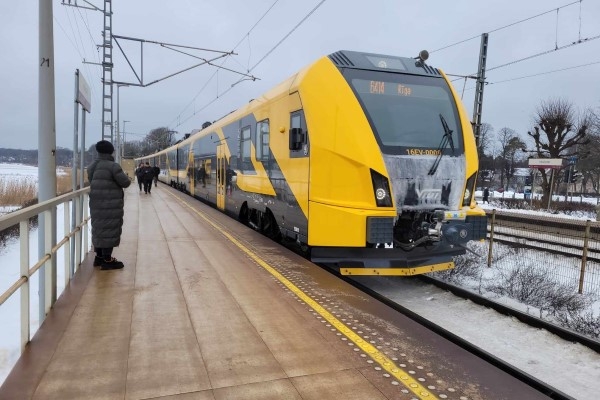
<point>107,181</point>
<point>156,170</point>
<point>147,177</point>
<point>486,195</point>
<point>139,175</point>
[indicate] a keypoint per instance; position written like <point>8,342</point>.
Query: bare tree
<point>510,147</point>
<point>557,133</point>
<point>158,139</point>
<point>486,132</point>
<point>485,155</point>
<point>589,162</point>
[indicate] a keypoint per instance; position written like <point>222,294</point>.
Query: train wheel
<point>270,227</point>
<point>243,217</point>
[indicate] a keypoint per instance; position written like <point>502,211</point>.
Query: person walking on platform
<point>156,170</point>
<point>139,175</point>
<point>147,177</point>
<point>486,196</point>
<point>107,181</point>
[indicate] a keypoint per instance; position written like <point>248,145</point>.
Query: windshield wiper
<point>446,139</point>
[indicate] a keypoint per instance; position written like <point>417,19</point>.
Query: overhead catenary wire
<point>289,33</point>
<point>178,117</point>
<point>76,43</point>
<point>586,40</point>
<point>86,66</point>
<point>219,95</point>
<point>539,74</point>
<point>508,26</point>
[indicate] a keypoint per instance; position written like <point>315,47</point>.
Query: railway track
<point>537,384</point>
<point>561,236</point>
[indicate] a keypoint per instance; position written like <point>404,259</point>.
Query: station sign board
<point>552,163</point>
<point>83,93</point>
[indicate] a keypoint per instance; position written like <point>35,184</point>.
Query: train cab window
<point>262,141</point>
<point>408,112</point>
<point>298,135</point>
<point>245,145</point>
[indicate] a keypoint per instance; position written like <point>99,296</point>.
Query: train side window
<point>298,135</point>
<point>245,145</point>
<point>262,140</point>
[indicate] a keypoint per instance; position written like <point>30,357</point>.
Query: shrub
<point>532,286</point>
<point>586,323</point>
<point>465,268</point>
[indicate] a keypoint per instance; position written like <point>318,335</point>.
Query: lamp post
<point>118,144</point>
<point>124,136</point>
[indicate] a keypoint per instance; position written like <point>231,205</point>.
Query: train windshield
<point>407,112</point>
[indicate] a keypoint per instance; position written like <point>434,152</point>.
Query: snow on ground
<point>10,320</point>
<point>569,367</point>
<point>18,170</point>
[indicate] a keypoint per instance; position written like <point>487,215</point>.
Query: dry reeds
<point>16,192</point>
<point>21,191</point>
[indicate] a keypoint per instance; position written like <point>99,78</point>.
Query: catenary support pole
<point>46,147</point>
<point>478,106</point>
<point>74,171</point>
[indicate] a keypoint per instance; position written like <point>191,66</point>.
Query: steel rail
<point>513,371</point>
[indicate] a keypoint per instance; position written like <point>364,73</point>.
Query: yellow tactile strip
<point>386,363</point>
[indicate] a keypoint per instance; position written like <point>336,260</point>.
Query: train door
<point>221,167</point>
<point>191,171</point>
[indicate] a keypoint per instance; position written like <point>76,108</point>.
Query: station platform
<point>206,308</point>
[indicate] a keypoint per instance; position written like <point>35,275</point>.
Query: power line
<point>289,33</point>
<point>86,24</point>
<point>586,40</point>
<point>255,65</point>
<point>76,43</point>
<point>215,73</point>
<point>86,66</point>
<point>540,74</point>
<point>545,52</point>
<point>508,26</point>
<point>545,73</point>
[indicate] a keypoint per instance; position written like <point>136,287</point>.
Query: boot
<point>113,263</point>
<point>98,261</point>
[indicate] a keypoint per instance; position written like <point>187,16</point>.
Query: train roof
<point>381,62</point>
<point>341,59</point>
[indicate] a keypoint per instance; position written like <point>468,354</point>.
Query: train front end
<point>408,137</point>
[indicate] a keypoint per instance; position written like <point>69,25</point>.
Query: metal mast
<point>107,67</point>
<point>477,108</point>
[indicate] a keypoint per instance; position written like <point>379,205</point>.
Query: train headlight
<point>381,189</point>
<point>469,190</point>
<point>467,193</point>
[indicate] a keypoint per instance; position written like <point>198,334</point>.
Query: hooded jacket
<point>107,181</point>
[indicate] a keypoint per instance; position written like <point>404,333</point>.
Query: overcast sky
<point>184,102</point>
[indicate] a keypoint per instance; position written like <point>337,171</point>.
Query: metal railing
<point>73,254</point>
<point>566,249</point>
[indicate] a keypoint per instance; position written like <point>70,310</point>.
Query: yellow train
<point>367,161</point>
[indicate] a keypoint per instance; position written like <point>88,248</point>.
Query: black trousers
<point>105,253</point>
<point>147,186</point>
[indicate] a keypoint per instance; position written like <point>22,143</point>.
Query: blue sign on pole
<point>572,160</point>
